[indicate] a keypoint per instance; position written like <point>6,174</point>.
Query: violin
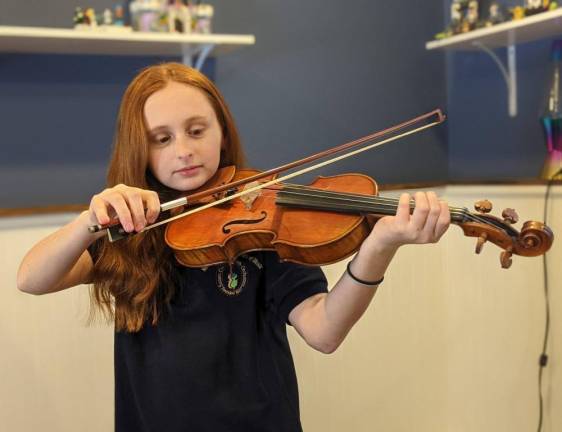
<point>240,211</point>
<point>323,223</point>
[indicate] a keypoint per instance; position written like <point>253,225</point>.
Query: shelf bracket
<point>509,73</point>
<point>202,52</point>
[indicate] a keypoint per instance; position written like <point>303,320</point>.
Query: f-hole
<point>226,230</point>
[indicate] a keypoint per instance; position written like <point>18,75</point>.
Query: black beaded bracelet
<point>364,282</point>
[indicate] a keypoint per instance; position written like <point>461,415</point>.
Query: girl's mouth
<point>188,171</point>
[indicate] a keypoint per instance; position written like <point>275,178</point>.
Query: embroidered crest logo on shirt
<point>231,279</point>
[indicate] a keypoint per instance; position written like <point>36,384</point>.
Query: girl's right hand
<point>134,207</point>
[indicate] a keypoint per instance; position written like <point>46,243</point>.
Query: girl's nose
<point>183,147</point>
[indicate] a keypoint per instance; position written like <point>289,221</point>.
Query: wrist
<point>371,283</point>
<point>83,222</point>
<point>373,246</point>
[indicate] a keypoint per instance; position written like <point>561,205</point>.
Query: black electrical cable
<point>543,359</point>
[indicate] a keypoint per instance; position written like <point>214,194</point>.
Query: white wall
<point>450,343</point>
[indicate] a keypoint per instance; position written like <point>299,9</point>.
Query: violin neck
<point>319,199</point>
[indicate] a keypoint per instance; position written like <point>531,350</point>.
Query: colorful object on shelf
<point>466,15</point>
<point>471,21</point>
<point>79,18</point>
<point>119,15</point>
<point>551,118</point>
<point>203,18</point>
<point>107,21</point>
<point>517,13</point>
<point>464,18</point>
<point>456,17</point>
<point>146,15</point>
<point>179,17</point>
<point>173,16</point>
<point>107,17</point>
<point>536,6</point>
<point>495,14</point>
<point>90,16</point>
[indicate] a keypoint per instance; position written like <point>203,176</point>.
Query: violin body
<point>314,237</point>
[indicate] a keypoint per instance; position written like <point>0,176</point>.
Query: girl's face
<point>185,136</point>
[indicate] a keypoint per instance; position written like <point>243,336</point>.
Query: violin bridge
<point>249,198</point>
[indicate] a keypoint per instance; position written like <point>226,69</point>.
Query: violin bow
<point>116,232</point>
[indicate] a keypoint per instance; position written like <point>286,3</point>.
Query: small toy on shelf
<point>84,20</point>
<point>90,16</point>
<point>456,17</point>
<point>179,17</point>
<point>533,7</point>
<point>146,15</point>
<point>471,16</point>
<point>203,16</point>
<point>107,17</point>
<point>106,21</point>
<point>496,14</point>
<point>119,15</point>
<point>79,18</point>
<point>517,13</point>
<point>464,18</point>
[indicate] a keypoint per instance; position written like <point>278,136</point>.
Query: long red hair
<point>132,278</point>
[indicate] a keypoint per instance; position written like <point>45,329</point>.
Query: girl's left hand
<point>429,221</point>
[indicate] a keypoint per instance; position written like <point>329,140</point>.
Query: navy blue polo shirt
<point>219,358</point>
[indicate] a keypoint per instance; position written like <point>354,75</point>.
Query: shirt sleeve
<point>94,250</point>
<point>287,284</point>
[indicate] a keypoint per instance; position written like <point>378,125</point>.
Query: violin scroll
<point>534,239</point>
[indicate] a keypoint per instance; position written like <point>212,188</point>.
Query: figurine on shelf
<point>203,16</point>
<point>496,15</point>
<point>79,18</point>
<point>146,15</point>
<point>179,17</point>
<point>85,20</point>
<point>107,21</point>
<point>517,13</point>
<point>471,16</point>
<point>533,7</point>
<point>107,17</point>
<point>457,23</point>
<point>456,17</point>
<point>91,20</point>
<point>110,23</point>
<point>119,15</point>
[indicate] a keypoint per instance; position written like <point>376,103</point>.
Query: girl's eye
<point>196,132</point>
<point>162,139</point>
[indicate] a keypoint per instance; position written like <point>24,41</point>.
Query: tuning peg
<point>483,206</point>
<point>510,216</point>
<point>480,243</point>
<point>505,258</point>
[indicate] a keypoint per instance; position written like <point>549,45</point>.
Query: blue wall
<point>321,73</point>
<point>485,143</point>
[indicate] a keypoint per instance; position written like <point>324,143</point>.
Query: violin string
<point>391,203</point>
<point>367,205</point>
<point>288,176</point>
<point>359,197</point>
<point>456,217</point>
<point>462,213</point>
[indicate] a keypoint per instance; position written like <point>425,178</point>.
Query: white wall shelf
<point>70,41</point>
<point>508,34</point>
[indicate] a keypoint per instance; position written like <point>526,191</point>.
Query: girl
<point>204,349</point>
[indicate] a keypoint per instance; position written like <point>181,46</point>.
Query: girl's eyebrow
<point>187,120</point>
